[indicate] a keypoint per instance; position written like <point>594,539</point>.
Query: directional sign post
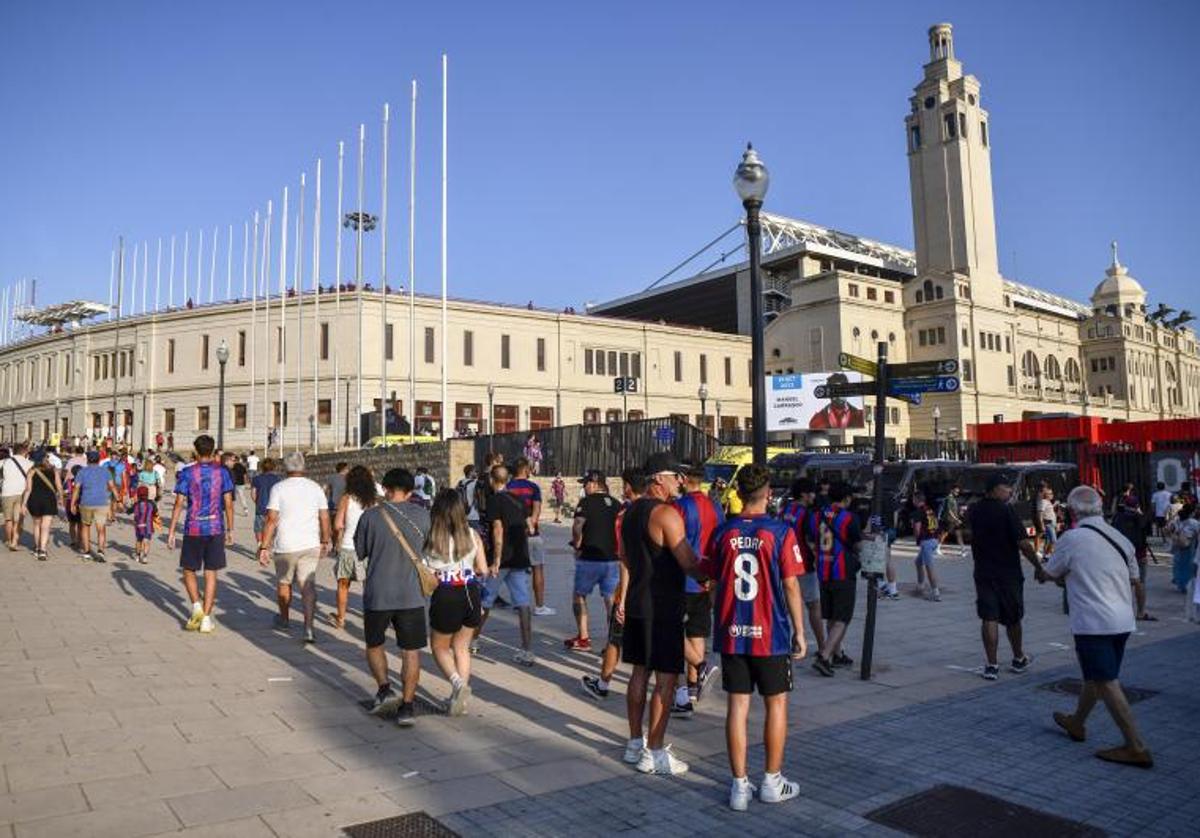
<point>624,385</point>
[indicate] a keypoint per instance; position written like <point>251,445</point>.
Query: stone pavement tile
<point>16,745</point>
<point>208,807</point>
<point>146,818</point>
<point>41,803</point>
<point>177,711</point>
<point>58,771</point>
<point>442,797</point>
<point>326,820</point>
<point>133,738</point>
<point>439,769</point>
<point>263,769</point>
<point>69,722</point>
<point>268,701</point>
<point>548,776</point>
<point>157,785</point>
<point>394,749</point>
<point>226,727</point>
<point>330,788</point>
<point>305,741</point>
<point>159,757</point>
<point>313,717</point>
<point>24,708</point>
<point>252,827</point>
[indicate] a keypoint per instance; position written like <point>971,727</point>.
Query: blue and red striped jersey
<point>144,513</point>
<point>701,520</point>
<point>795,515</point>
<point>753,555</point>
<point>834,532</point>
<point>205,485</point>
<point>528,493</point>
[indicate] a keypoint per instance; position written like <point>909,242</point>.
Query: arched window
<point>927,287</point>
<point>1029,365</point>
<point>1072,371</point>
<point>920,297</point>
<point>937,292</point>
<point>1053,371</point>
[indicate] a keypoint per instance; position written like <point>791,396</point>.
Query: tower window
<point>951,126</point>
<point>962,125</point>
<point>929,102</point>
<point>920,297</point>
<point>983,132</point>
<point>915,137</point>
<point>937,292</point>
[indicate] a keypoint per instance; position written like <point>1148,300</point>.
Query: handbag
<point>428,581</point>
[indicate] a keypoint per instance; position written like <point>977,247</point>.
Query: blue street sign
<point>911,398</point>
<point>930,384</point>
<point>664,435</point>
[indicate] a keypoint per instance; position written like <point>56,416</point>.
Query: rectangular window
<point>468,348</point>
<point>388,342</point>
<point>889,297</point>
<point>124,368</point>
<point>203,356</point>
<point>962,125</point>
<point>67,370</point>
<point>541,354</point>
<point>703,368</point>
<point>679,366</point>
<point>966,337</point>
<point>278,421</point>
<point>951,126</point>
<point>728,371</point>
<point>1012,376</point>
<point>966,370</point>
<point>239,416</point>
<point>324,412</point>
<point>895,418</point>
<point>983,132</point>
<point>49,374</point>
<point>278,344</point>
<point>324,341</point>
<point>915,137</point>
<point>168,420</point>
<point>921,338</point>
<point>612,363</point>
<point>1008,344</point>
<point>505,352</point>
<point>241,348</point>
<point>587,362</point>
<point>635,365</point>
<point>600,362</point>
<point>872,293</point>
<point>853,287</point>
<point>171,355</point>
<point>202,418</point>
<point>429,344</point>
<point>941,334</point>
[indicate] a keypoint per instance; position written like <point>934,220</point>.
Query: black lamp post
<point>222,360</point>
<point>491,426</point>
<point>751,180</point>
<point>703,394</point>
<point>937,418</point>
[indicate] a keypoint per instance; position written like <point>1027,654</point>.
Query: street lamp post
<point>751,180</point>
<point>717,405</point>
<point>703,394</point>
<point>937,418</point>
<point>491,426</point>
<point>222,360</point>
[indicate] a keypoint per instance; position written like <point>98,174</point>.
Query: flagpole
<point>283,220</point>
<point>445,342</point>
<point>383,342</point>
<point>362,140</point>
<point>199,268</point>
<point>133,280</point>
<point>212,266</point>
<point>157,274</point>
<point>316,284</point>
<point>265,274</point>
<point>171,279</point>
<point>337,298</point>
<point>412,274</point>
<point>298,286</point>
<point>253,326</point>
<point>145,272</point>
<point>112,274</point>
<point>229,264</point>
<point>245,255</point>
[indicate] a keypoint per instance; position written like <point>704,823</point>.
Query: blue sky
<point>591,145</point>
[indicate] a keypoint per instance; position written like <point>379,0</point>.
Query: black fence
<point>573,449</point>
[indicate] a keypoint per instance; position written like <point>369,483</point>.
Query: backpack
<point>1182,537</point>
<point>466,492</point>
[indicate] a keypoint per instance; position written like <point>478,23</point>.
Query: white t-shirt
<point>299,502</point>
<point>252,462</point>
<point>1162,502</point>
<point>12,475</point>
<point>455,571</point>
<point>1098,576</point>
<point>354,511</point>
<point>161,471</point>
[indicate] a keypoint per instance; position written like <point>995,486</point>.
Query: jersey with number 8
<point>753,555</point>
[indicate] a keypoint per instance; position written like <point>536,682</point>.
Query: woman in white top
<point>455,554</point>
<point>361,493</point>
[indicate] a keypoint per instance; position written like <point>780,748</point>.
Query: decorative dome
<point>1118,287</point>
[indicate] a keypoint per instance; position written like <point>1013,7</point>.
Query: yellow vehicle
<point>392,440</point>
<point>724,466</point>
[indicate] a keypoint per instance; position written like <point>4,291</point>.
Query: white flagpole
<point>145,272</point>
<point>383,342</point>
<point>283,220</point>
<point>298,286</point>
<point>412,274</point>
<point>171,280</point>
<point>362,140</point>
<point>199,268</point>
<point>265,273</point>
<point>112,273</point>
<point>337,297</point>
<point>253,326</point>
<point>316,284</point>
<point>229,264</point>
<point>133,263</point>
<point>445,342</point>
<point>245,256</point>
<point>157,273</point>
<point>4,316</point>
<point>212,266</point>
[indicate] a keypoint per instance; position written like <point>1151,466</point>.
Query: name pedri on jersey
<point>752,557</point>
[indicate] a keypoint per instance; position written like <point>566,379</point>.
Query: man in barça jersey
<point>759,626</point>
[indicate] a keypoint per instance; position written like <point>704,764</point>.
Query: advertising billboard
<point>792,404</point>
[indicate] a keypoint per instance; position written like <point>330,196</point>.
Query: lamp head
<point>703,392</point>
<point>751,178</point>
<point>223,352</point>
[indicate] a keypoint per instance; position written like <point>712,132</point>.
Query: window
<point>541,418</point>
<point>678,366</point>
<point>962,125</point>
<point>429,344</point>
<point>624,359</point>
<point>324,412</point>
<point>921,338</point>
<point>937,292</point>
<point>927,287</point>
<point>124,366</point>
<point>853,287</point>
<point>591,416</point>
<point>966,337</point>
<point>635,365</point>
<point>915,137</point>
<point>872,293</point>
<point>278,420</point>
<point>324,341</point>
<point>728,371</point>
<point>241,348</point>
<point>983,132</point>
<point>278,344</point>
<point>1030,368</point>
<point>388,347</point>
<point>95,368</point>
<point>203,356</point>
<point>941,333</point>
<point>168,420</point>
<point>612,363</point>
<point>587,362</point>
<point>889,297</point>
<point>1008,344</point>
<point>49,378</point>
<point>239,416</point>
<point>703,368</point>
<point>920,297</point>
<point>202,418</point>
<point>895,415</point>
<point>541,354</point>
<point>612,415</point>
<point>951,125</point>
<point>505,348</point>
<point>67,371</point>
<point>600,362</point>
<point>966,370</point>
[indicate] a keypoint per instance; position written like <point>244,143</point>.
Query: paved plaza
<point>114,721</point>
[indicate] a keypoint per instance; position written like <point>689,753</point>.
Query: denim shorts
<point>517,582</point>
<point>927,552</point>
<point>537,551</point>
<point>1049,533</point>
<point>589,573</point>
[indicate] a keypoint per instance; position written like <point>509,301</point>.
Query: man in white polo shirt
<point>1099,568</point>
<point>14,471</point>
<point>298,524</point>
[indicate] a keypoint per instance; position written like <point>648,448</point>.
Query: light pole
<point>361,222</point>
<point>937,418</point>
<point>751,180</point>
<point>702,393</point>
<point>717,404</point>
<point>867,411</point>
<point>491,426</point>
<point>222,360</point>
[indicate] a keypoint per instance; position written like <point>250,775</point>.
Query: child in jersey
<point>927,529</point>
<point>145,522</point>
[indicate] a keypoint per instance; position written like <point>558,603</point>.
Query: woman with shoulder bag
<point>43,491</point>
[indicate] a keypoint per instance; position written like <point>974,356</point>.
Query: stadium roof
<point>62,313</point>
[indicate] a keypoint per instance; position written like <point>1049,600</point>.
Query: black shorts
<point>654,644</point>
<point>1160,521</point>
<point>1100,655</point>
<point>202,552</point>
<point>454,606</point>
<point>616,630</point>
<point>741,674</point>
<point>408,623</point>
<point>698,613</point>
<point>837,600</point>
<point>1000,600</point>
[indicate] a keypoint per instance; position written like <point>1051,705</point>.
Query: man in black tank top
<point>657,555</point>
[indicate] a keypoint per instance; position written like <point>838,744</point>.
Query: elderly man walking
<point>1098,566</point>
<point>298,524</point>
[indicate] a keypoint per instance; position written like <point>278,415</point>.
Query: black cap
<point>593,475</point>
<point>93,456</point>
<point>997,478</point>
<point>660,462</point>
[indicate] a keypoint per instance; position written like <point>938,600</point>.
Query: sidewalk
<point>113,721</point>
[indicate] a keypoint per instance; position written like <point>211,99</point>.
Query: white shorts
<point>300,567</point>
<point>537,551</point>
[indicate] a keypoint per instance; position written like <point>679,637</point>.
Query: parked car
<point>787,468</point>
<point>899,481</point>
<point>1027,479</point>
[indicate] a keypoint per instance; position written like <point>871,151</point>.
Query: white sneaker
<point>194,621</point>
<point>661,762</point>
<point>544,611</point>
<point>633,750</point>
<point>741,792</point>
<point>207,625</point>
<point>524,658</point>
<point>778,789</point>
<point>458,700</point>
